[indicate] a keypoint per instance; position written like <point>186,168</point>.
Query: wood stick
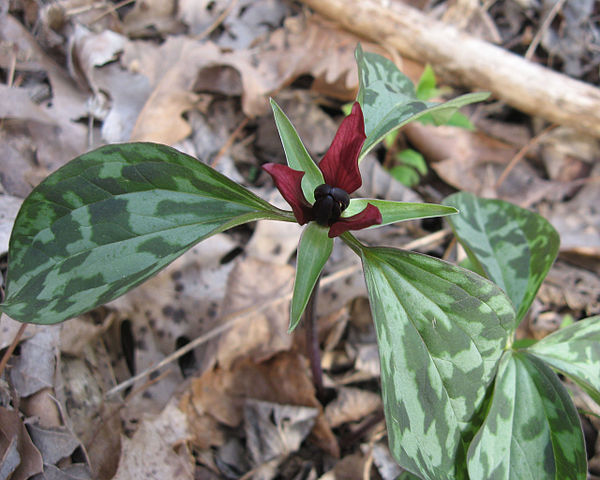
<point>461,59</point>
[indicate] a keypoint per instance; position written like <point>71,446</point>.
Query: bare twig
<point>229,142</point>
<point>11,347</point>
<point>218,21</point>
<point>545,25</point>
<point>521,154</point>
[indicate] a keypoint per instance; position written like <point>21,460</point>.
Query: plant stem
<point>312,341</point>
<point>352,242</point>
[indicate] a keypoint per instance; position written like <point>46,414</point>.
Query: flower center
<point>329,204</point>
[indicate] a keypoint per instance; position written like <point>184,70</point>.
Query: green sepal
<point>392,212</point>
<point>389,100</point>
<point>313,251</point>
<point>532,429</point>
<point>513,246</point>
<point>575,352</point>
<point>296,154</point>
<point>441,331</point>
<point>110,219</point>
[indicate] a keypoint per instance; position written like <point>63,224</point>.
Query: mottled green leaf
<point>314,250</point>
<point>532,429</point>
<point>575,352</point>
<point>427,85</point>
<point>389,100</point>
<point>110,219</point>
<point>296,154</point>
<point>408,476</point>
<point>441,331</point>
<point>392,212</point>
<point>411,157</point>
<point>514,247</point>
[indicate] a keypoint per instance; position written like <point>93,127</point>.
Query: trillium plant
<point>463,398</point>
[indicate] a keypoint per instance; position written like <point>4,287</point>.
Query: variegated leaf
<point>575,352</point>
<point>110,219</point>
<point>313,251</point>
<point>532,429</point>
<point>392,212</point>
<point>441,331</point>
<point>408,476</point>
<point>514,247</point>
<point>389,100</point>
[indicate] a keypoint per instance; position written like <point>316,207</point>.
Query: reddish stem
<point>313,350</point>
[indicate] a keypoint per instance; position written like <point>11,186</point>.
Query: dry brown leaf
<point>566,153</point>
<point>571,287</point>
<point>157,449</point>
<point>387,467</point>
<point>85,382</point>
<point>283,379</point>
<point>199,15</point>
<point>82,332</point>
<point>273,242</point>
<point>474,162</point>
<point>274,431</point>
<point>578,220</point>
<point>312,46</point>
<point>20,458</point>
<point>43,406</point>
<point>252,282</point>
<point>367,360</point>
<point>309,46</point>
<point>471,16</point>
<point>128,92</point>
<point>151,15</point>
<point>16,103</point>
<point>10,327</point>
<point>74,471</point>
<point>18,160</point>
<point>55,144</point>
<point>180,60</point>
<point>173,70</point>
<point>351,405</point>
<point>34,367</point>
<point>54,443</point>
<point>351,467</point>
<point>9,206</point>
<point>94,420</point>
<point>89,50</point>
<point>241,22</point>
<point>104,448</point>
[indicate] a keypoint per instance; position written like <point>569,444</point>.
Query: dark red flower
<point>341,177</point>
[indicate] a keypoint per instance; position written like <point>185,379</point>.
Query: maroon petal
<point>340,163</point>
<point>289,183</point>
<point>368,217</point>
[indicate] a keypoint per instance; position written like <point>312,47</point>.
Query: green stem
<point>353,243</point>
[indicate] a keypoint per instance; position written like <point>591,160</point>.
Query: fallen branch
<point>459,58</point>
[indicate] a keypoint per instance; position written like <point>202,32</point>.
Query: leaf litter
<point>197,75</point>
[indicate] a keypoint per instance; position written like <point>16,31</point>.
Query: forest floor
<point>197,75</point>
